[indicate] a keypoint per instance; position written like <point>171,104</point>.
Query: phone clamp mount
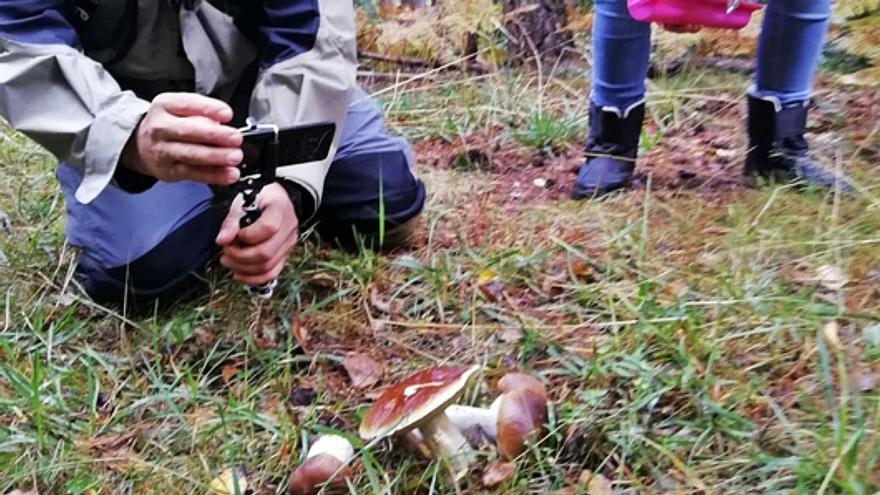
<point>254,177</point>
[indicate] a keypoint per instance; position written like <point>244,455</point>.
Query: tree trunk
<point>536,27</point>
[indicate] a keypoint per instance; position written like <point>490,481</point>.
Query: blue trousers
<point>788,51</point>
<point>156,244</point>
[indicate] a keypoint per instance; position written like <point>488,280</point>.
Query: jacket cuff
<point>106,139</point>
<point>303,202</point>
<point>131,181</point>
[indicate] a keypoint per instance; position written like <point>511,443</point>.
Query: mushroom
<point>521,413</point>
<point>510,421</point>
<point>419,403</point>
<point>325,464</point>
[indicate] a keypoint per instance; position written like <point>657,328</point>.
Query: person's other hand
<point>256,254</point>
<point>682,28</point>
<point>183,137</point>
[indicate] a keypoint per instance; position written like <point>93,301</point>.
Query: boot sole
<point>579,193</point>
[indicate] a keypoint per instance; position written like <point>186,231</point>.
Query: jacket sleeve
<point>309,62</point>
<point>63,100</point>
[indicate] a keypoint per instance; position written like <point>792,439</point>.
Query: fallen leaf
<point>831,332</point>
<point>831,277</point>
<point>300,334</point>
<point>492,291</point>
<point>486,276</point>
<point>363,370</point>
<point>230,482</point>
<point>497,473</point>
<point>113,442</point>
<point>228,372</point>
<point>510,335</point>
<point>599,485</point>
<point>582,270</point>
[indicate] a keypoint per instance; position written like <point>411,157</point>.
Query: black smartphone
<point>296,145</point>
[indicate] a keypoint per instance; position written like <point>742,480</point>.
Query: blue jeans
<point>788,51</point>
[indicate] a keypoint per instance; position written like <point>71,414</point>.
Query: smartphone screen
<point>297,145</point>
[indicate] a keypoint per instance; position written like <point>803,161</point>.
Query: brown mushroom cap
<point>517,381</point>
<point>522,412</point>
<point>414,399</point>
<point>311,475</point>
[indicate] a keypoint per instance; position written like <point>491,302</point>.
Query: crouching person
<point>141,101</point>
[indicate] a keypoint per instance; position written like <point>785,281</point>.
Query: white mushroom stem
<point>467,417</point>
<point>464,418</point>
<point>445,441</point>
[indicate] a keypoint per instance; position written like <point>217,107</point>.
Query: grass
<point>681,331</point>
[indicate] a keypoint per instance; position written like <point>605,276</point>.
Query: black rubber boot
<point>611,150</point>
<point>778,150</point>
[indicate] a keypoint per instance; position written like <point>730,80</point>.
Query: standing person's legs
<point>790,47</point>
<point>371,189</point>
<point>621,52</point>
<point>788,55</point>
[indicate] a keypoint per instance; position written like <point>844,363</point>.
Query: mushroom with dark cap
<point>325,465</point>
<point>419,402</point>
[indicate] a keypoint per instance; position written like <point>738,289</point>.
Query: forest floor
<point>695,335</point>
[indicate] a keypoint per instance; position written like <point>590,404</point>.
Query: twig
<point>677,65</point>
<point>392,76</point>
<point>399,60</point>
<point>466,64</point>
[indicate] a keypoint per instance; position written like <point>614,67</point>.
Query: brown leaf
<point>582,270</point>
<point>113,442</point>
<point>510,335</point>
<point>363,370</point>
<point>492,291</point>
<point>497,473</point>
<point>300,333</point>
<point>596,483</point>
<point>228,372</point>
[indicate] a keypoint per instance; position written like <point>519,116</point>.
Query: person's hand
<point>256,254</point>
<point>682,28</point>
<point>182,137</point>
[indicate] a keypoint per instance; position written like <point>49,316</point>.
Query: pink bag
<point>708,13</point>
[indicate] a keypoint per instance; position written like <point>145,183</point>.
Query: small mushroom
<point>419,403</point>
<point>521,413</point>
<point>325,464</point>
